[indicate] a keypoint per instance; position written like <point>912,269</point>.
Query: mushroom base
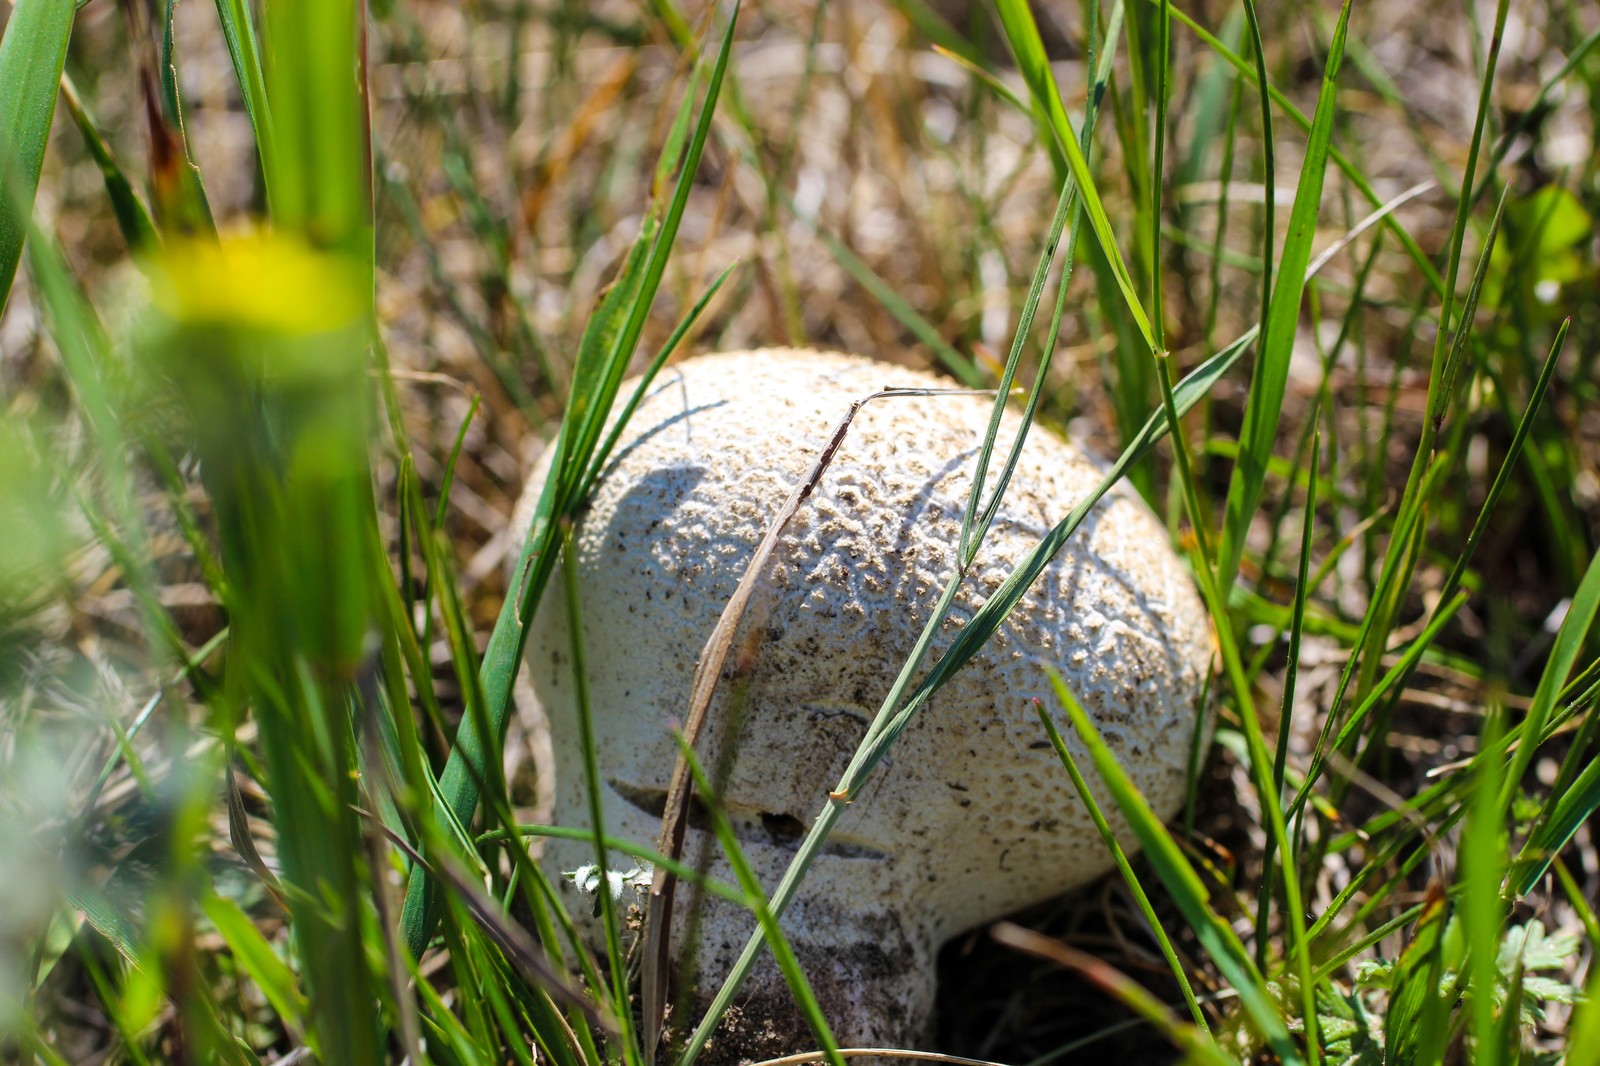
<point>872,977</point>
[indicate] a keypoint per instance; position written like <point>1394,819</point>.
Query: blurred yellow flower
<point>257,280</point>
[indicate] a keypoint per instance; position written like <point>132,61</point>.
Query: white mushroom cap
<point>972,815</point>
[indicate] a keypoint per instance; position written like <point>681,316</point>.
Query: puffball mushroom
<point>972,815</point>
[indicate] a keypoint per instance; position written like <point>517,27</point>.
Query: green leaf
<point>32,55</point>
<point>1352,1035</point>
<point>1537,949</point>
<point>108,921</point>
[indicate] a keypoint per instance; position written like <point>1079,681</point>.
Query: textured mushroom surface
<point>972,815</point>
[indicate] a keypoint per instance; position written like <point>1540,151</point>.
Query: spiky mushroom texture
<point>972,815</point>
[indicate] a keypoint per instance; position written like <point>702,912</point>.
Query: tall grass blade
<point>1022,33</point>
<point>1570,641</point>
<point>978,516</point>
<point>909,317</point>
<point>1390,683</point>
<point>1558,822</point>
<point>1352,174</point>
<point>1269,168</point>
<point>1482,867</point>
<point>1081,786</point>
<point>32,54</point>
<point>602,454</point>
<point>1280,762</point>
<point>510,937</point>
<point>781,951</point>
<point>1401,554</point>
<point>133,217</point>
<point>595,384</point>
<point>1413,1026</point>
<point>244,49</point>
<point>1267,386</point>
<point>177,194</point>
<point>591,788</point>
<point>977,519</point>
<point>1186,889</point>
<point>255,956</point>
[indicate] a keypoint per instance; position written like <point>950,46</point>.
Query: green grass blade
<point>603,360</point>
<point>1267,386</point>
<point>1400,557</point>
<point>1413,1025</point>
<point>254,955</point>
<point>933,25</point>
<point>321,160</point>
<point>1439,404</point>
<point>994,611</point>
<point>977,518</point>
<point>1129,878</point>
<point>1027,48</point>
<point>603,453</point>
<point>1570,640</point>
<point>599,348</point>
<point>1458,230</point>
<point>32,54</point>
<point>591,788</point>
<point>1280,762</point>
<point>1513,452</point>
<point>244,49</point>
<point>1418,257</point>
<point>133,217</point>
<point>1558,822</point>
<point>782,953</point>
<point>1022,33</point>
<point>1482,866</point>
<point>1268,162</point>
<point>909,317</point>
<point>181,203</point>
<point>1390,683</point>
<point>1186,889</point>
